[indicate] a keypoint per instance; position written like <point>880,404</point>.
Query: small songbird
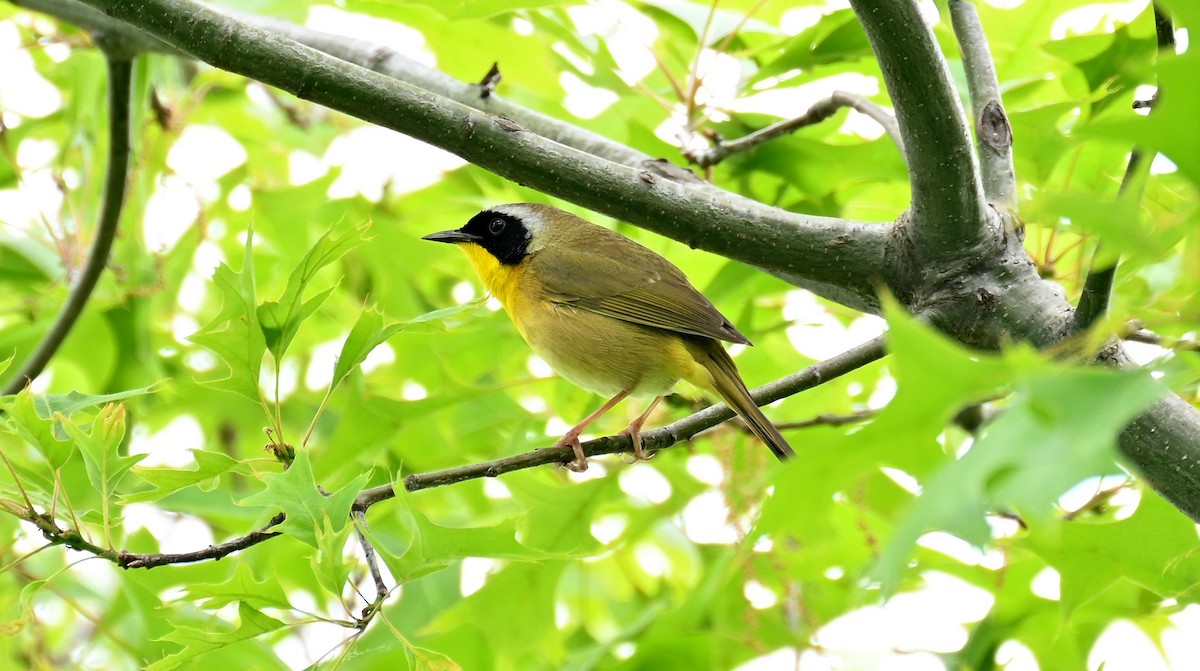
<point>606,313</point>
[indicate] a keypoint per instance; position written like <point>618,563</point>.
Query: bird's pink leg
<point>572,438</point>
<point>634,430</point>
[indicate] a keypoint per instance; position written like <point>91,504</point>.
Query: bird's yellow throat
<point>499,280</point>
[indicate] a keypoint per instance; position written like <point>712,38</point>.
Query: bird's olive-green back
<point>592,268</point>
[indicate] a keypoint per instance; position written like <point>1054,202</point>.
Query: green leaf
<point>295,492</point>
<point>1119,223</point>
<point>1059,428</point>
<point>720,22</point>
<point>1170,129</point>
<point>21,417</point>
<point>241,588</point>
<point>50,404</point>
<point>430,660</point>
<point>165,481</point>
<point>837,36</point>
<point>38,419</point>
<point>412,546</point>
<point>526,591</point>
<point>280,320</point>
<point>101,454</point>
<point>198,642</point>
<point>330,567</point>
<point>903,436</point>
<point>369,332</point>
<point>234,334</point>
<point>1154,548</point>
<point>24,260</point>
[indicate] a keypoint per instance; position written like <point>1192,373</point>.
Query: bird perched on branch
<point>606,313</point>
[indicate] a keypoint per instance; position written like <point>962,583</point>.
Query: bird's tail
<point>728,383</point>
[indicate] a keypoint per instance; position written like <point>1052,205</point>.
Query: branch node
<point>507,124</point>
<point>994,127</point>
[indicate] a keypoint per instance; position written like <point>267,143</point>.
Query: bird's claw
<point>580,463</point>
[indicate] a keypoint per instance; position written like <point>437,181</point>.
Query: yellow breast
<point>595,352</point>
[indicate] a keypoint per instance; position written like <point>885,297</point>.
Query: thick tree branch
<point>948,219</point>
<point>820,111</point>
<point>120,69</point>
<point>371,56</point>
<point>652,441</point>
<point>1162,443</point>
<point>365,54</point>
<point>836,258</point>
<point>993,134</point>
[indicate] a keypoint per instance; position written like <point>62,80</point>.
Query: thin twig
<point>652,441</point>
<point>360,519</point>
<point>993,134</point>
<point>1152,338</point>
<point>120,69</point>
<point>128,560</point>
<point>818,112</point>
<point>696,80</point>
<point>1097,287</point>
<point>828,420</point>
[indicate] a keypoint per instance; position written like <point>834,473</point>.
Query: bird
<point>606,313</point>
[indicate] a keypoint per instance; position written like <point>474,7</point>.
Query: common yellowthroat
<point>606,313</point>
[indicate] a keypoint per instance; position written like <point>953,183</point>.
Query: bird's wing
<point>640,287</point>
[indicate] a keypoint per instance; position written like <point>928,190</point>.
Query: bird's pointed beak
<point>452,236</point>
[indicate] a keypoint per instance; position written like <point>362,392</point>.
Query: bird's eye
<point>496,226</point>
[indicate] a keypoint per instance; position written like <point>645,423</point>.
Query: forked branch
<point>820,111</point>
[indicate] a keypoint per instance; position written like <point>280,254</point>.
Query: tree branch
<point>835,257</point>
<point>128,560</point>
<point>652,441</point>
<point>1097,287</point>
<point>948,219</point>
<point>365,54</point>
<point>120,69</point>
<point>993,134</point>
<point>828,420</point>
<point>359,519</point>
<point>1150,338</point>
<point>818,112</point>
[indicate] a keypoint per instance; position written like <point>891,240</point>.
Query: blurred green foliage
<point>384,361</point>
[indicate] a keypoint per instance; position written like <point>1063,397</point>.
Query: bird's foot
<point>635,435</point>
<point>580,464</point>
